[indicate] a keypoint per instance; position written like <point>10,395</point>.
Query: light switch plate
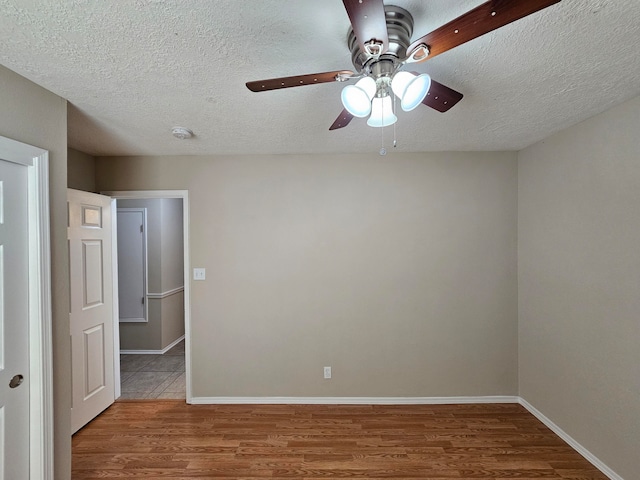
<point>199,274</point>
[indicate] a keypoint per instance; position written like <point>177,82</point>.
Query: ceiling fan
<point>380,43</point>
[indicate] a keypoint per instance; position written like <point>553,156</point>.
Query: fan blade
<point>440,97</point>
<point>483,19</point>
<point>342,121</point>
<point>369,24</point>
<point>297,81</point>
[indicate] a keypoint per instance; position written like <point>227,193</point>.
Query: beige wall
<point>164,264</point>
<point>33,115</point>
<point>172,244</point>
<point>143,335</point>
<point>172,270</point>
<point>81,171</point>
<point>579,283</point>
<point>397,271</point>
<point>172,318</point>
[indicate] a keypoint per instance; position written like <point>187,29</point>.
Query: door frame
<point>40,311</point>
<point>152,194</point>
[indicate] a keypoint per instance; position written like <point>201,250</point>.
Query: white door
<point>90,269</point>
<point>14,322</point>
<point>132,264</point>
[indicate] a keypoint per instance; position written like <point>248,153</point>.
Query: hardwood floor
<point>167,439</point>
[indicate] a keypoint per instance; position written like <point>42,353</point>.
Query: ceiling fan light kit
<point>380,43</point>
<point>382,112</point>
<point>411,89</point>
<point>357,98</point>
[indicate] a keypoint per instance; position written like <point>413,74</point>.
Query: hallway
<point>154,376</point>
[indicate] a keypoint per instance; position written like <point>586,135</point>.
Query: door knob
<point>16,381</point>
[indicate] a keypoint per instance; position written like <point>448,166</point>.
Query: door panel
<point>132,264</point>
<point>94,360</point>
<point>91,216</point>
<point>14,321</point>
<point>92,276</point>
<point>91,314</point>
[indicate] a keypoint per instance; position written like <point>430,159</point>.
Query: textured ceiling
<point>133,69</point>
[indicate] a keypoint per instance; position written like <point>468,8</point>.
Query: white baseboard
<point>595,461</point>
<point>353,400</point>
<point>153,352</point>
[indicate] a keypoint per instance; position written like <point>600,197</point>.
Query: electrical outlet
<point>327,372</point>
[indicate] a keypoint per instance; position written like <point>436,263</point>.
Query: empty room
<point>301,239</point>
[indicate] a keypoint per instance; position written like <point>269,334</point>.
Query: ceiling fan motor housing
<point>400,28</point>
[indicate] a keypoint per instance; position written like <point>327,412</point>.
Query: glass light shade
<point>415,92</point>
<point>367,84</point>
<point>400,81</point>
<point>381,112</point>
<point>357,98</point>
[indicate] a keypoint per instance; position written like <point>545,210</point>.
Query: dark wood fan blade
<point>440,97</point>
<point>297,81</point>
<point>483,19</point>
<point>342,121</point>
<point>369,24</point>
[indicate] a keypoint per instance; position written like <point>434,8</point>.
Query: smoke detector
<point>181,133</point>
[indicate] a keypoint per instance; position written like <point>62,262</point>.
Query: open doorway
<point>153,301</point>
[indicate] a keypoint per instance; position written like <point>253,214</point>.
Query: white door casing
<point>91,312</point>
<point>25,196</point>
<point>132,264</point>
<point>14,322</point>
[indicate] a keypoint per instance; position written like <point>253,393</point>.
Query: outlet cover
<point>327,372</point>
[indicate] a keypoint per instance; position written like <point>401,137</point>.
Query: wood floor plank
<point>172,440</point>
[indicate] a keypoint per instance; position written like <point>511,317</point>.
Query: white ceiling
<point>133,69</point>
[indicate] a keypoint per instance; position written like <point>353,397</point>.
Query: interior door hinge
<point>143,300</point>
<point>141,228</point>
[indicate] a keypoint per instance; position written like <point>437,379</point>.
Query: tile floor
<point>153,376</point>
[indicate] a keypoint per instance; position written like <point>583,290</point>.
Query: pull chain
<point>383,151</point>
<point>395,109</point>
